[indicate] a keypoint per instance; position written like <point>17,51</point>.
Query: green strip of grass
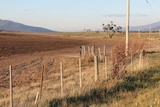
<point>153,54</point>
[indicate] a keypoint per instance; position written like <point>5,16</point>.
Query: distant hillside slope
<point>153,27</point>
<point>14,26</point>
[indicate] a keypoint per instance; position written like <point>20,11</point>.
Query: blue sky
<point>76,15</point>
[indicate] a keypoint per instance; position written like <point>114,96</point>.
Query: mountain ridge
<point>149,27</point>
<point>8,25</point>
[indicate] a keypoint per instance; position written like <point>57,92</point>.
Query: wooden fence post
<point>140,60</point>
<point>61,72</point>
<point>96,67</point>
<point>131,61</point>
<point>92,50</point>
<point>37,96</point>
<point>104,50</point>
<point>105,69</point>
<point>89,51</point>
<point>99,51</point>
<point>84,50</point>
<point>80,72</point>
<point>11,90</point>
<point>80,51</point>
<point>41,85</point>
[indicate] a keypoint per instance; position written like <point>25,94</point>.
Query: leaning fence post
<point>11,90</point>
<point>80,72</point>
<point>61,71</point>
<point>41,85</point>
<point>37,96</point>
<point>96,67</point>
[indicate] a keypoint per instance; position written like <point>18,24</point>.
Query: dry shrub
<point>87,58</point>
<point>120,60</point>
<point>136,47</point>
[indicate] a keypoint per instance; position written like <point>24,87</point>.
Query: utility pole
<point>127,26</point>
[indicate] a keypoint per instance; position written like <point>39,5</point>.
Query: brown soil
<point>27,52</point>
<point>15,43</point>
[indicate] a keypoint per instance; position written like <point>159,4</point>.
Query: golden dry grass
<point>25,95</point>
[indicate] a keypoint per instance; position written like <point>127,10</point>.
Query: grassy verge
<point>134,90</point>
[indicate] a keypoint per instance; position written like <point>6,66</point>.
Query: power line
<point>147,1</point>
<point>148,4</point>
<point>152,9</point>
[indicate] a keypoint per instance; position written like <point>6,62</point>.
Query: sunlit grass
<point>139,87</point>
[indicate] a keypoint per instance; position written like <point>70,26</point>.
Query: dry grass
<point>25,95</point>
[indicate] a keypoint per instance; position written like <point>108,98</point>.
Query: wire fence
<point>59,79</point>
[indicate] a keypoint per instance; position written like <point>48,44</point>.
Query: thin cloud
<point>124,15</point>
<point>141,15</point>
<point>114,15</point>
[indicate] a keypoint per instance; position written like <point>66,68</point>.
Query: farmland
<point>29,52</point>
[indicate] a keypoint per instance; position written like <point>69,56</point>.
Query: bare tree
<point>87,30</point>
<point>111,28</point>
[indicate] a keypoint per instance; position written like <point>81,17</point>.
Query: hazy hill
<point>153,27</point>
<point>14,26</point>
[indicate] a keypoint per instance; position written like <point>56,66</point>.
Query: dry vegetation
<point>28,52</point>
